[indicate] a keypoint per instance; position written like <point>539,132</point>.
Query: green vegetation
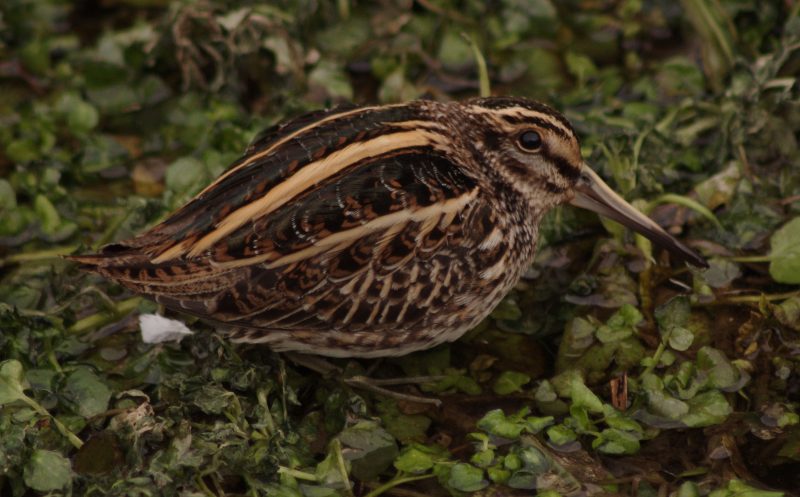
<point>604,372</point>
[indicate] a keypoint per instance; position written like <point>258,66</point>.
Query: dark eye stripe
<point>564,167</point>
<point>522,170</point>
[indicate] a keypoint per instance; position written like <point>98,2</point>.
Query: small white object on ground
<point>158,329</point>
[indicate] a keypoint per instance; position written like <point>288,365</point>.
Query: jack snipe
<point>370,231</point>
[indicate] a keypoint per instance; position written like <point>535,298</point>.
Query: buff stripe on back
<point>402,135</point>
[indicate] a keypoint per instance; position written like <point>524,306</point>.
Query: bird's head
<point>536,151</point>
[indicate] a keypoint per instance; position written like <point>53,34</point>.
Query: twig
<point>367,384</point>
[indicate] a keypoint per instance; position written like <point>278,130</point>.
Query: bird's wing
<point>274,134</point>
<point>299,153</point>
<point>298,222</point>
<point>357,250</point>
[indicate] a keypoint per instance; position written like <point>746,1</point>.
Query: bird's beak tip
<point>592,193</point>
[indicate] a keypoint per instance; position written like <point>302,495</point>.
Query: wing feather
<point>301,264</point>
<point>269,161</point>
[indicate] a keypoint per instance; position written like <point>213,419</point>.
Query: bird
<point>371,231</point>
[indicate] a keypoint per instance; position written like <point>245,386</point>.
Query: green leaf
<point>454,51</point>
<point>524,479</point>
<point>675,312</point>
<point>47,214</point>
<point>507,310</point>
<point>680,76</point>
<point>498,474</point>
<point>496,423</point>
<point>561,435</point>
<point>535,424</point>
<point>455,380</point>
<point>510,382</point>
<point>331,80</point>
<point>466,478</point>
<point>370,449</point>
<point>707,409</point>
<point>416,459</point>
<point>396,88</point>
<point>666,405</point>
<point>787,419</point>
<point>680,338</point>
<point>404,427</point>
<point>100,153</point>
<point>483,458</point>
<point>738,488</point>
<point>342,38</point>
<point>81,116</point>
<point>8,197</point>
<point>580,66</point>
<point>545,392</point>
<point>535,459</point>
<point>721,272</point>
<point>614,441</point>
<point>722,373</point>
<point>579,419</point>
<point>213,399</point>
<point>36,56</point>
<point>23,150</point>
<point>113,98</point>
<point>784,266</point>
<point>688,489</point>
<point>788,312</point>
<point>12,381</point>
<point>672,318</point>
<point>512,461</point>
<point>582,396</point>
<point>85,392</point>
<point>47,471</point>
<point>186,175</point>
<point>620,325</point>
<point>328,471</point>
<point>621,421</point>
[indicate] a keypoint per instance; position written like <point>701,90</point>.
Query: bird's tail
<point>110,256</point>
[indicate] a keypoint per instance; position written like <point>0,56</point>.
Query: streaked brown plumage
<point>370,231</point>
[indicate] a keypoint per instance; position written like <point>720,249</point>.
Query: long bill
<point>594,194</point>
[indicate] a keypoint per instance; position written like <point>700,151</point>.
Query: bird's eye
<point>530,141</point>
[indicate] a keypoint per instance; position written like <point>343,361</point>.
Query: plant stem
<point>657,355</point>
<point>73,439</point>
<point>687,202</point>
<point>755,299</point>
<point>101,318</point>
<point>397,480</point>
<point>203,487</point>
<point>39,255</point>
<point>343,6</point>
<point>337,447</point>
<point>296,473</point>
<point>750,258</point>
<point>480,61</point>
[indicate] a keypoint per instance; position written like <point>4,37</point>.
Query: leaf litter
<point>605,373</point>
